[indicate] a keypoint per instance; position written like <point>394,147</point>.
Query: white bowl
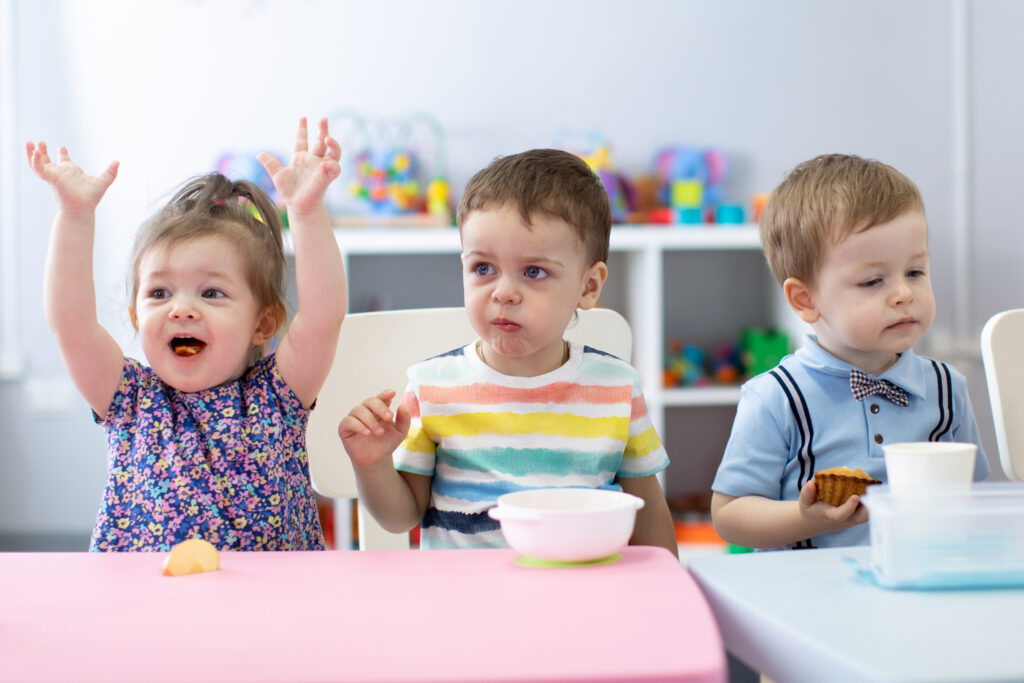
<point>567,524</point>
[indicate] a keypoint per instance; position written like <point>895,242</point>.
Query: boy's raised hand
<point>301,185</point>
<point>74,191</point>
<point>371,433</point>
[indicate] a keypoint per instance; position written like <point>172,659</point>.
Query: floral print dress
<point>227,464</point>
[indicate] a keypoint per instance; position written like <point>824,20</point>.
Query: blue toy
<point>685,365</point>
<point>690,178</point>
<point>238,166</point>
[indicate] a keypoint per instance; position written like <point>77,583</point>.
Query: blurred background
<point>169,88</point>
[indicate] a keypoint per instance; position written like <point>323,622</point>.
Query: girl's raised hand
<point>75,191</point>
<point>301,185</point>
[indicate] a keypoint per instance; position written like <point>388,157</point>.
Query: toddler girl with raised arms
<point>209,440</point>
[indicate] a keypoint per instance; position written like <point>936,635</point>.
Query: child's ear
<point>268,323</point>
<point>593,282</point>
<point>800,299</point>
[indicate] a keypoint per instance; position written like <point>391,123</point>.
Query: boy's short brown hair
<point>545,181</point>
<point>822,202</point>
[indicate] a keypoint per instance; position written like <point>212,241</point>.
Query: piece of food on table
<point>191,557</point>
<point>837,484</point>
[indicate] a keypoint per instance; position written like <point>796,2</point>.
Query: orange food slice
<point>191,557</point>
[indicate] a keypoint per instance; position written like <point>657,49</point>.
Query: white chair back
<point>1002,352</point>
<point>374,351</point>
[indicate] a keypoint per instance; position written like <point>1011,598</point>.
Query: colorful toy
<point>595,150</point>
<point>762,349</point>
<point>726,365</point>
<point>396,166</point>
<point>689,365</point>
<point>692,180</point>
<point>729,214</point>
<point>241,166</point>
<point>438,202</point>
<point>759,202</point>
<point>387,180</point>
<point>685,365</point>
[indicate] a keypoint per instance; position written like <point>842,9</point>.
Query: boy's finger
<point>350,425</point>
<point>847,509</point>
<point>366,418</point>
<point>809,493</point>
<point>386,395</point>
<point>403,420</point>
<point>379,409</point>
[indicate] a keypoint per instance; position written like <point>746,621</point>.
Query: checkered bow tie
<point>863,386</point>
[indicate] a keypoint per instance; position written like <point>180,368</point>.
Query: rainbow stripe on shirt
<point>481,434</point>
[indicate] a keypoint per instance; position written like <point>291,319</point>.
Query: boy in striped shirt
<point>848,241</point>
<point>520,407</point>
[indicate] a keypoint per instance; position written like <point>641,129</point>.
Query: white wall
<point>166,87</point>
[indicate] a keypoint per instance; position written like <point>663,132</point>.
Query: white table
<point>803,615</point>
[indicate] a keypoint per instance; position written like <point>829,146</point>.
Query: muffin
<point>836,484</point>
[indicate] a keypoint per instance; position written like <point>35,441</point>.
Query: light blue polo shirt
<point>801,417</point>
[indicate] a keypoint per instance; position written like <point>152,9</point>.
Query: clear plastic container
<point>948,537</point>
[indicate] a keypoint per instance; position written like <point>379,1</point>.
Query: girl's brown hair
<point>238,211</point>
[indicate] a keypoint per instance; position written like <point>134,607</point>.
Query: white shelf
<point>678,238</point>
<point>700,396</point>
<point>375,240</point>
<point>398,240</point>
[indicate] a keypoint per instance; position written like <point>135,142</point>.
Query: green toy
<point>762,349</point>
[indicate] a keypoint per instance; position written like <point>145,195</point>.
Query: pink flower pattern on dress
<point>227,464</point>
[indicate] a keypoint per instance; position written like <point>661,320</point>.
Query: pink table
<point>447,615</point>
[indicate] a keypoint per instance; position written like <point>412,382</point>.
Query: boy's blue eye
<point>483,269</point>
<point>535,272</point>
<point>872,282</point>
<point>915,272</point>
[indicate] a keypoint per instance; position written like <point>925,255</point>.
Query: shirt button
<point>878,438</point>
<point>874,408</point>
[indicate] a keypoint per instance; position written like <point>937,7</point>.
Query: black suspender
<point>945,399</point>
<point>805,454</point>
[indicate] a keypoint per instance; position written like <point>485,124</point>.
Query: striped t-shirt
<point>481,434</point>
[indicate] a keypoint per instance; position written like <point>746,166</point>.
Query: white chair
<point>1002,352</point>
<point>374,351</point>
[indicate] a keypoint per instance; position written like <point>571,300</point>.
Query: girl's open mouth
<point>187,346</point>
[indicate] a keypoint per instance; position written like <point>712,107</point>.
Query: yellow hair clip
<point>253,211</point>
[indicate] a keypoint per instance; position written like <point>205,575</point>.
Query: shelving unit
<point>701,284</point>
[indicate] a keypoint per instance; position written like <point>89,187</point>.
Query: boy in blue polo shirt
<point>847,239</point>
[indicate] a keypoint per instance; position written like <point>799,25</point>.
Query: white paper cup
<point>918,467</point>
